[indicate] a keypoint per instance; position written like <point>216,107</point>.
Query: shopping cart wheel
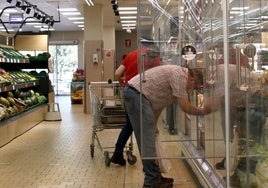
<point>107,158</point>
<point>92,150</point>
<point>131,159</point>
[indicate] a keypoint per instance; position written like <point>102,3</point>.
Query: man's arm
<point>189,108</point>
<point>119,72</point>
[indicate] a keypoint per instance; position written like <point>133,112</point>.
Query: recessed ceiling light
<point>71,13</point>
<point>127,12</point>
<point>128,17</point>
<point>128,27</point>
<point>128,21</point>
<point>128,24</point>
<point>79,22</point>
<point>67,9</point>
<point>76,18</point>
<point>127,8</point>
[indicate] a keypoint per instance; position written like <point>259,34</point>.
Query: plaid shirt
<point>162,85</point>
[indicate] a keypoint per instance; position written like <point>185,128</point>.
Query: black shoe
<point>118,158</point>
<point>167,180</point>
<point>161,184</point>
<point>220,165</point>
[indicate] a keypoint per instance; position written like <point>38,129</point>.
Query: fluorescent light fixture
<point>123,25</point>
<point>128,21</point>
<point>89,2</point>
<point>81,26</point>
<point>127,8</point>
<point>40,26</point>
<point>71,13</point>
<point>76,18</point>
<point>236,12</point>
<point>67,9</point>
<point>128,12</point>
<point>128,17</point>
<point>128,27</point>
<point>79,22</point>
<point>239,8</point>
<point>11,11</point>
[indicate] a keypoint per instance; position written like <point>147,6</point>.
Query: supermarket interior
<point>73,78</point>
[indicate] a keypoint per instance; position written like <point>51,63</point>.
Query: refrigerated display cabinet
<point>227,40</point>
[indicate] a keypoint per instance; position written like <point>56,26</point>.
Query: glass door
<point>65,63</point>
<point>227,41</point>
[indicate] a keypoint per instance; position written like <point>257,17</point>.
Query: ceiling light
<point>128,27</point>
<point>43,19</point>
<point>116,13</point>
<point>28,10</point>
<point>76,18</point>
<point>23,8</point>
<point>128,30</point>
<point>115,7</point>
<point>128,24</point>
<point>52,23</point>
<point>67,9</point>
<point>128,12</point>
<point>79,22</point>
<point>128,17</point>
<point>127,8</point>
<point>71,13</point>
<point>89,2</point>
<point>35,14</point>
<point>128,21</point>
<point>18,3</point>
<point>39,16</point>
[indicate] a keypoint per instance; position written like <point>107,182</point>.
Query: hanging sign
<point>188,52</point>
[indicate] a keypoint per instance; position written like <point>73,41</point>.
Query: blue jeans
<point>144,133</point>
<point>124,136</point>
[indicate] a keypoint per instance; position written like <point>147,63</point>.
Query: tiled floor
<point>56,154</point>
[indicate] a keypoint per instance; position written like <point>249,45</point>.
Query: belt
<point>133,89</point>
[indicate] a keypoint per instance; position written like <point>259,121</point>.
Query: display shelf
<point>20,122</point>
<point>77,90</point>
<point>17,125</point>
<point>11,87</point>
<point>203,170</point>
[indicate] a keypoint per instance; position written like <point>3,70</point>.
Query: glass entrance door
<point>65,59</point>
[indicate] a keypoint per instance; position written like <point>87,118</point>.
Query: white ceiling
<point>50,7</point>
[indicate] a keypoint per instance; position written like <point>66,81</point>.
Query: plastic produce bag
<point>164,164</point>
<point>233,151</point>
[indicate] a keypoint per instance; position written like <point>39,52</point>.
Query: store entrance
<point>65,59</point>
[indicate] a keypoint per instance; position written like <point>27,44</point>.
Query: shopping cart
<point>108,112</point>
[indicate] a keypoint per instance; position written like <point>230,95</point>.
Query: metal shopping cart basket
<point>108,112</point>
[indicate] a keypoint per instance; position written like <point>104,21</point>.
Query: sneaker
<point>220,165</point>
<point>118,158</point>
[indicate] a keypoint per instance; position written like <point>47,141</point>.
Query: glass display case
<point>228,42</point>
